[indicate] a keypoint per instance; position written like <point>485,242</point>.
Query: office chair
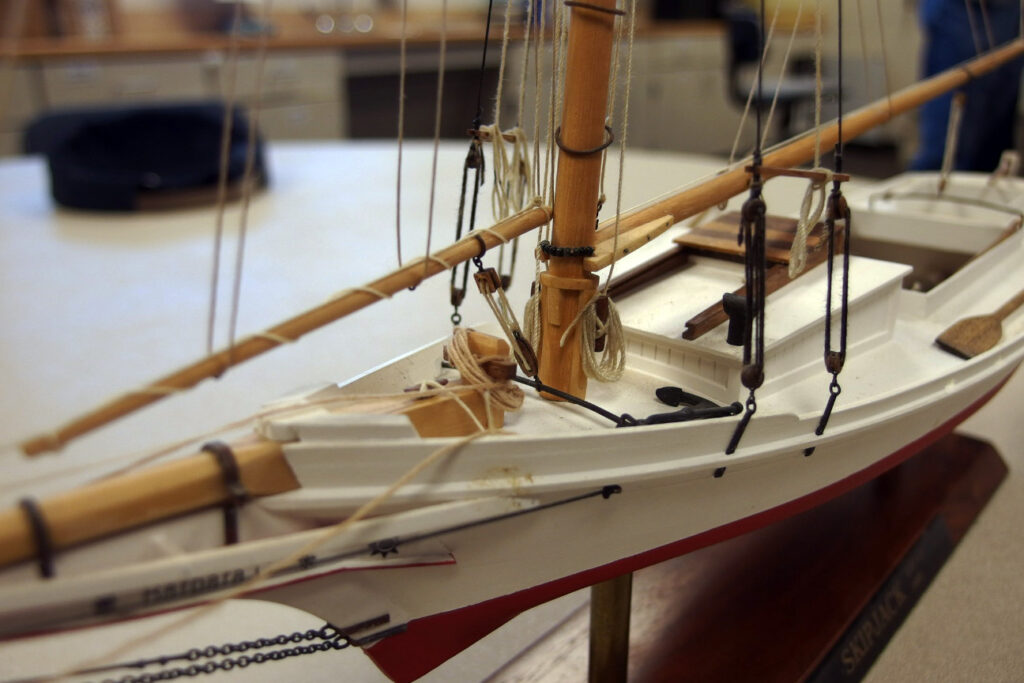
<point>129,158</point>
<point>744,52</point>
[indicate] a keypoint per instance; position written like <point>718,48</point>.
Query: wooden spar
<point>567,286</point>
<point>131,500</point>
<point>351,301</point>
<point>691,202</point>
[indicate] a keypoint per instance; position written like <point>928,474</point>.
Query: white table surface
<point>95,304</point>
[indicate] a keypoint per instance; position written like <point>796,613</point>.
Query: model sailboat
<point>418,521</point>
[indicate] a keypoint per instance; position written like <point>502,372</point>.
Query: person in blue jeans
<point>989,116</point>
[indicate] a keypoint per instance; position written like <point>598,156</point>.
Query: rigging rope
<point>442,52</point>
<point>752,235</point>
<point>973,27</point>
<point>956,111</point>
<point>782,70</point>
<point>222,172</point>
<point>255,107</point>
<point>402,68</point>
<point>755,85</point>
<point>808,218</point>
<point>838,210</point>
<point>885,55</point>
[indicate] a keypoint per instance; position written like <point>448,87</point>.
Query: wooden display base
<point>812,598</point>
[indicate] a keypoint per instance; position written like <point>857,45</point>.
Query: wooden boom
<point>799,150</point>
<point>131,500</point>
<point>290,330</point>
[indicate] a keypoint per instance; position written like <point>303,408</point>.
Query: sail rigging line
<point>782,70</point>
<point>885,54</point>
<point>478,119</point>
<point>754,85</point>
<point>838,211</point>
<point>512,177</point>
<point>809,218</point>
<point>544,192</point>
<point>983,6</point>
<point>474,162</point>
<point>612,103</point>
<point>752,237</point>
<point>560,47</point>
<point>973,27</point>
<point>402,72</point>
<point>442,52</point>
<point>956,110</point>
<point>862,35</point>
<point>255,107</point>
<point>538,92</point>
<point>521,102</point>
<point>222,171</point>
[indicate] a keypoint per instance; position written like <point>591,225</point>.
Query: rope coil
<point>506,396</point>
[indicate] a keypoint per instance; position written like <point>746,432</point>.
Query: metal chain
<point>331,637</point>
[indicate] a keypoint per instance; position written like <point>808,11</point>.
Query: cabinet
<point>20,87</point>
<point>302,92</point>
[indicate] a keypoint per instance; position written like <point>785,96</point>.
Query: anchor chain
<point>330,639</point>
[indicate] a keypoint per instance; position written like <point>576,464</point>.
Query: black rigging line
<point>838,210</point>
<point>483,66</point>
<point>752,236</point>
<point>475,162</point>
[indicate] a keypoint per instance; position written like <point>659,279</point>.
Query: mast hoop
<point>40,535</point>
<point>608,140</point>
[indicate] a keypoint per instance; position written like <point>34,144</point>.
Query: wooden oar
<point>969,337</point>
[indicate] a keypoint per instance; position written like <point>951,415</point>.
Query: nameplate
<point>862,643</point>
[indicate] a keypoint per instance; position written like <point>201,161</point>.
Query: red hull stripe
<point>430,641</point>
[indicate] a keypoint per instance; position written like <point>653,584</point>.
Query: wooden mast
<point>567,286</point>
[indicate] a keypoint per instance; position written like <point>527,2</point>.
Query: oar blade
<point>968,337</point>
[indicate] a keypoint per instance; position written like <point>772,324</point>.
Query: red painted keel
<point>430,641</point>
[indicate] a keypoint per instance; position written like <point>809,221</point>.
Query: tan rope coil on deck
<point>613,358</point>
<point>507,396</point>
